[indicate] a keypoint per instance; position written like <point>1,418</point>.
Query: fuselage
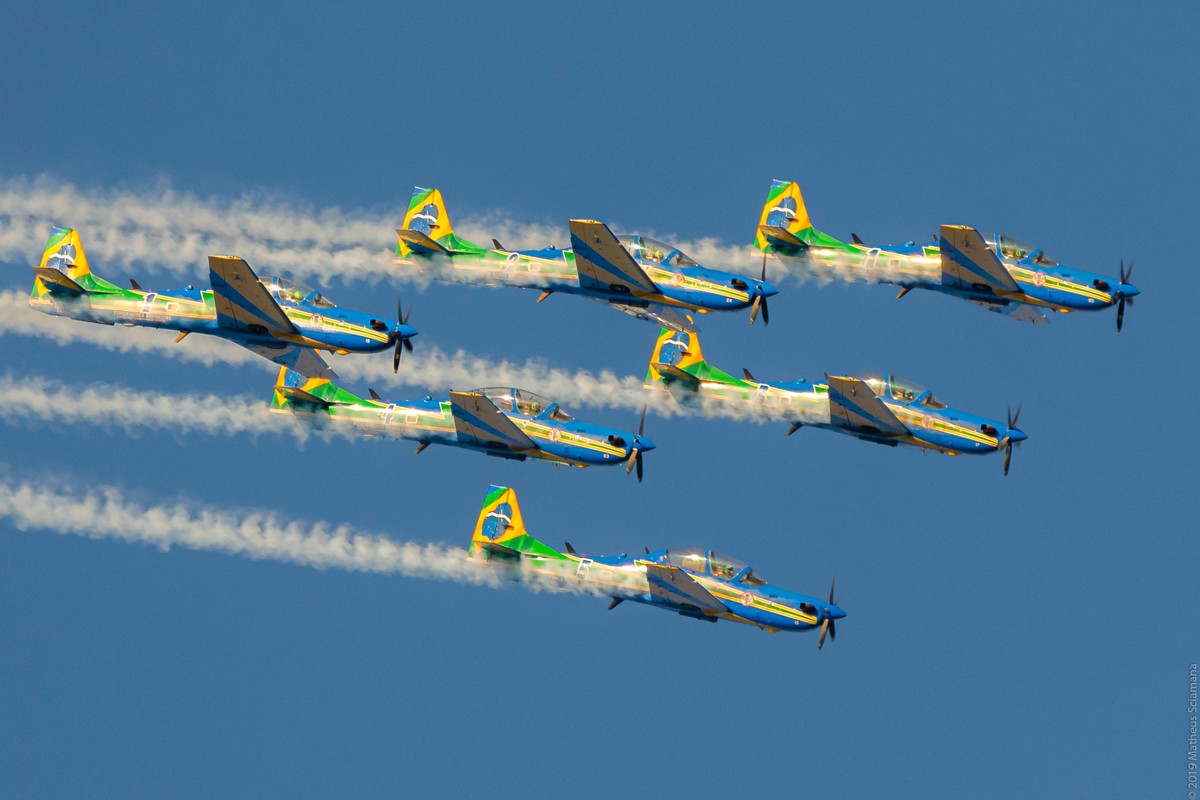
<point>1042,282</point>
<point>931,425</point>
<point>745,598</point>
<point>320,324</point>
<point>681,282</point>
<point>559,437</point>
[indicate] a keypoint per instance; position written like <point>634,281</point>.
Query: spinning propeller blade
<point>401,342</point>
<point>828,626</point>
<point>635,454</point>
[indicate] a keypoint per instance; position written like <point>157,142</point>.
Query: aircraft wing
<point>1018,311</point>
<point>478,421</point>
<point>603,263</point>
<point>419,242</point>
<point>674,586</point>
<point>243,303</point>
<point>58,283</point>
<point>663,314</point>
<point>853,405</point>
<point>302,359</point>
<point>781,239</point>
<point>967,263</point>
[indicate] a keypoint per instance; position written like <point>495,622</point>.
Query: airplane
<point>995,271</point>
<point>637,275</point>
<point>884,409</point>
<point>697,583</point>
<point>277,319</point>
<point>499,421</point>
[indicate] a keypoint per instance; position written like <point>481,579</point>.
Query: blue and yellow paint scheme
<point>992,270</point>
<point>278,319</point>
<point>693,582</point>
<point>499,421</point>
<point>884,409</point>
<point>637,275</point>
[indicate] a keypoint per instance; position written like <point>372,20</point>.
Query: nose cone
<point>766,289</point>
<point>1017,435</point>
<point>1128,290</point>
<point>835,612</point>
<point>642,444</point>
<point>402,331</point>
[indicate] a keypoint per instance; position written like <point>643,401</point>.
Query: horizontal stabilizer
<point>603,263</point>
<point>58,283</point>
<point>782,240</point>
<point>419,242</point>
<point>499,550</point>
<point>673,374</point>
<point>478,421</point>
<point>675,587</point>
<point>852,405</point>
<point>301,396</point>
<point>968,263</point>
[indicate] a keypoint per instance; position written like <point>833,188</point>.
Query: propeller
<point>402,319</point>
<point>1008,439</point>
<point>827,625</point>
<point>760,302</point>
<point>635,454</point>
<point>1122,298</point>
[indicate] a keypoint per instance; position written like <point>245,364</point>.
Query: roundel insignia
<point>926,422</point>
<point>676,279</point>
<point>316,319</point>
<point>1039,278</point>
<point>747,599</point>
<point>555,434</point>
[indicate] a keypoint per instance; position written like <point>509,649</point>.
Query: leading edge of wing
<point>479,422</point>
<point>243,303</point>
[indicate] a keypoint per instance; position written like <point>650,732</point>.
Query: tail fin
<point>291,388</point>
<point>426,228</point>
<point>63,265</point>
<point>64,252</point>
<point>678,361</point>
<point>784,210</point>
<point>500,530</point>
<point>785,227</point>
<point>673,351</point>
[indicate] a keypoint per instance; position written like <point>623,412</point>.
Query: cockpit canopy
<point>652,251</point>
<point>712,562</point>
<point>1014,249</point>
<point>901,390</point>
<point>291,292</point>
<point>523,402</point>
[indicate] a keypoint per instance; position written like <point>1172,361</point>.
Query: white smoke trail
<point>428,368</point>
<point>104,513</point>
<point>109,404</point>
<point>161,229</point>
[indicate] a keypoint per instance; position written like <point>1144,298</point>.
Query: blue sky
<point>1020,636</point>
